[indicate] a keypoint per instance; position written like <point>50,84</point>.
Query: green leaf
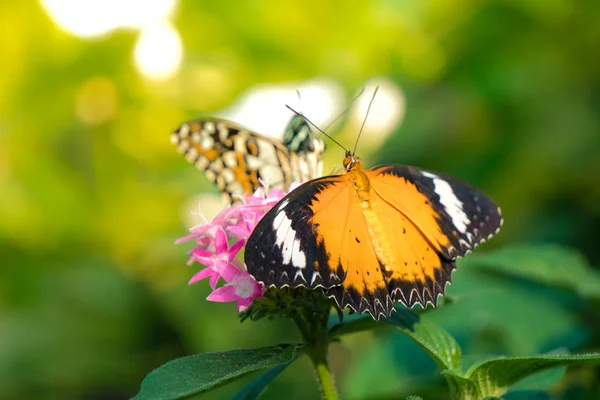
<point>198,373</point>
<point>540,381</point>
<point>461,387</point>
<point>432,338</point>
<point>437,342</point>
<point>548,264</point>
<point>494,377</point>
<point>257,386</point>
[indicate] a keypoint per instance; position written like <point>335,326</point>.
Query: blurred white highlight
<point>158,51</point>
<point>263,107</point>
<point>88,18</point>
<point>387,111</point>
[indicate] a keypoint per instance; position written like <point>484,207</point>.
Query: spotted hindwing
<point>237,159</point>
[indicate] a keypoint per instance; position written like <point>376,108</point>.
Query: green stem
<point>328,389</point>
<point>314,331</point>
<point>304,327</point>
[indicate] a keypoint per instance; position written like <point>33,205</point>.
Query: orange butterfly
<point>373,237</point>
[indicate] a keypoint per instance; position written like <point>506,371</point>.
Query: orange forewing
<point>340,224</point>
<point>415,258</point>
<point>404,196</point>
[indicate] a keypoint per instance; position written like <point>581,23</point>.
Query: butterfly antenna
<point>317,128</point>
<point>365,120</point>
<point>347,109</point>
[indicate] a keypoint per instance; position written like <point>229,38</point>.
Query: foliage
<point>492,377</point>
<point>194,374</point>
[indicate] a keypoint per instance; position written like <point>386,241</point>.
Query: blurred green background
<point>93,292</point>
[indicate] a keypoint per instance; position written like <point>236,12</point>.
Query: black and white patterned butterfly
<point>237,159</point>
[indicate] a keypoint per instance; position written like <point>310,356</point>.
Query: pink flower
<point>222,254</point>
<point>199,232</point>
<point>233,224</point>
<point>241,287</point>
<point>241,231</point>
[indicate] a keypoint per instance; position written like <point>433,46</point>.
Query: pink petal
<point>228,271</point>
<point>259,290</point>
<point>203,235</point>
<point>250,209</point>
<point>213,281</point>
<point>239,232</point>
<point>242,304</point>
<point>197,231</point>
<point>223,294</point>
<point>205,242</point>
<point>201,253</point>
<point>235,248</point>
<point>202,274</point>
<point>276,193</point>
<point>250,200</point>
<point>227,217</point>
<point>252,216</point>
<point>221,244</point>
<point>204,257</point>
<point>222,216</point>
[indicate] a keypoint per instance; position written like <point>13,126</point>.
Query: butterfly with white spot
<point>369,238</point>
<point>237,159</point>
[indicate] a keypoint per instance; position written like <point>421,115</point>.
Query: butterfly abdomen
<point>379,238</point>
<point>362,191</point>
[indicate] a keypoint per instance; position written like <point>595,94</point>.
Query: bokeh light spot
<point>158,51</point>
<point>96,100</point>
<point>386,113</point>
<point>88,18</point>
<point>263,107</point>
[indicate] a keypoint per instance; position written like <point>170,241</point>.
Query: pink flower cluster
<point>232,224</point>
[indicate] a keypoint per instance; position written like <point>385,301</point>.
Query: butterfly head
<point>350,161</point>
